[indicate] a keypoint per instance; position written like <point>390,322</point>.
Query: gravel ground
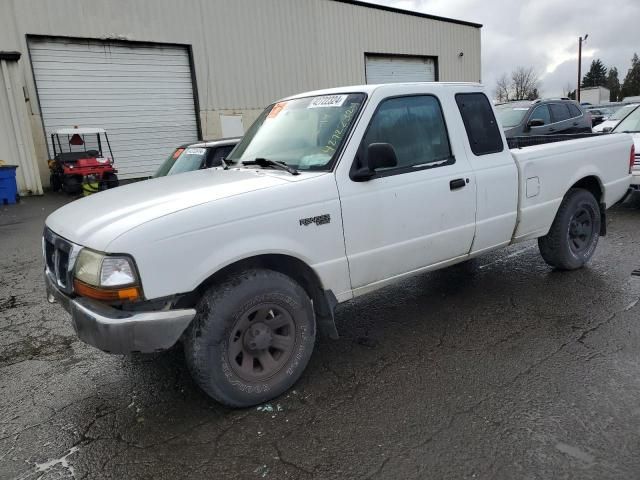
<point>496,368</point>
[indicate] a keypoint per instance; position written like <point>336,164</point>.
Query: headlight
<point>105,277</point>
<point>116,272</point>
<point>88,265</point>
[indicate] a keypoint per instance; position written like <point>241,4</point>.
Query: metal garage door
<point>141,94</point>
<point>399,69</point>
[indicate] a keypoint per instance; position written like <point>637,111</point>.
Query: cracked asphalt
<point>496,368</point>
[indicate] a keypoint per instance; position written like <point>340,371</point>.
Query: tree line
<point>599,76</point>
<point>524,83</point>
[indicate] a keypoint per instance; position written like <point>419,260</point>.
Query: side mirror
<point>379,155</point>
<point>606,129</point>
<point>535,122</point>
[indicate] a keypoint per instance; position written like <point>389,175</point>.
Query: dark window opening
<point>480,123</point>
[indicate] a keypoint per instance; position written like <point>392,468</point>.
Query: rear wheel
<point>574,234</point>
<point>251,339</point>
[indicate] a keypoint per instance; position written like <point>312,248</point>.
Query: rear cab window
<point>480,123</point>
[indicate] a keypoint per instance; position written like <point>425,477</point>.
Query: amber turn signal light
<point>130,294</point>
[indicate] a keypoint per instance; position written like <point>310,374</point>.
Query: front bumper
<point>635,180</point>
<point>118,331</point>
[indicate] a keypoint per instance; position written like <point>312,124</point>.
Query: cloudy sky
<point>544,34</point>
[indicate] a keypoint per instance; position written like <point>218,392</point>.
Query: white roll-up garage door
<point>399,69</point>
<point>141,94</point>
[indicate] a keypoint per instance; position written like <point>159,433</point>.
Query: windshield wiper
<point>265,162</point>
<point>630,131</point>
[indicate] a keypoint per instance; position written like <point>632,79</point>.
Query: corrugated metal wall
<point>249,52</point>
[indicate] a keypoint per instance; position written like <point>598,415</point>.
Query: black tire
<point>574,234</point>
<point>72,184</point>
<point>110,180</point>
<point>224,335</point>
<point>55,182</point>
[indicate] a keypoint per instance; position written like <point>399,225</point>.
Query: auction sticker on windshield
<point>327,101</point>
<point>195,151</point>
<point>277,108</point>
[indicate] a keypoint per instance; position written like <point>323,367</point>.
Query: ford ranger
<point>330,195</point>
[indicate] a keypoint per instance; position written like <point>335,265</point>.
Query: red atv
<point>79,164</point>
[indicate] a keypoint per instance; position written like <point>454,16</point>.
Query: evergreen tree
<point>631,85</point>
<point>596,76</point>
<point>613,84</point>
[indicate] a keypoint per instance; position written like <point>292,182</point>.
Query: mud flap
<point>325,315</point>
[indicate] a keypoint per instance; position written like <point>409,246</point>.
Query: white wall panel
<point>142,96</point>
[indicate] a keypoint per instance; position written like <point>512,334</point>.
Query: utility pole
<point>580,40</point>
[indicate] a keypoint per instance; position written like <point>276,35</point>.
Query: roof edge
<point>386,8</point>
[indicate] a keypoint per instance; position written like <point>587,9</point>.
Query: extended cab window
<point>415,127</point>
<point>480,123</point>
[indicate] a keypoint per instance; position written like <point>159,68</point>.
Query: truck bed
<point>547,171</point>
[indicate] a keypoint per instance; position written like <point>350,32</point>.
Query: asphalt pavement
<point>496,368</point>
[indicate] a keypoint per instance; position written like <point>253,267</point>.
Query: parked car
<point>334,194</point>
<point>196,156</point>
<point>543,117</point>
<point>631,125</point>
<point>598,115</point>
<point>614,119</point>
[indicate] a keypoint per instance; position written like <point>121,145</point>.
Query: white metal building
<point>158,73</point>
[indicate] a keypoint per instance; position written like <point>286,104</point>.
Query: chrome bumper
<point>117,331</point>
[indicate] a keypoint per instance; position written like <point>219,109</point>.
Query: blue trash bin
<point>8,185</point>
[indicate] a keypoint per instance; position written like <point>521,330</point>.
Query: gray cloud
<point>544,34</point>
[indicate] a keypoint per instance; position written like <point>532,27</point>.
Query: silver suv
<point>543,117</point>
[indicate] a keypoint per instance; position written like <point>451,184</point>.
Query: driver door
<point>416,214</point>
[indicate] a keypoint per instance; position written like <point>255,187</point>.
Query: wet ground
<point>498,368</point>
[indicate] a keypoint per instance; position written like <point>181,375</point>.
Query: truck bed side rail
<point>531,140</point>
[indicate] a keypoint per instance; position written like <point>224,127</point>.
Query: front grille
<point>59,258</point>
<point>636,162</point>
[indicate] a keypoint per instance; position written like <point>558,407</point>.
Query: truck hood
<point>97,220</point>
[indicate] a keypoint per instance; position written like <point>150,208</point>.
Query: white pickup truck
<point>330,195</point>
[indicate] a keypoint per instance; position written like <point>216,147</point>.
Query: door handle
<point>457,183</point>
<point>575,124</point>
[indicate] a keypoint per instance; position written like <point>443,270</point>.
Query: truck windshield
<point>183,160</point>
<point>510,116</point>
<point>631,123</point>
<point>305,133</point>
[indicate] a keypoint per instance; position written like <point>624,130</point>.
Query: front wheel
<point>573,237</point>
<point>110,180</point>
<point>251,339</point>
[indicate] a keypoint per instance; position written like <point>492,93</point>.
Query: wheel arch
<point>593,184</point>
<point>324,301</point>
